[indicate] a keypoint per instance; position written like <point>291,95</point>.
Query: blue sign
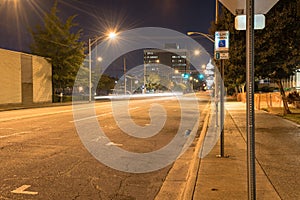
<point>222,43</point>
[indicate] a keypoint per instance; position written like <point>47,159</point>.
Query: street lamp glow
<point>112,35</point>
<point>99,59</point>
<point>196,52</point>
<point>207,36</point>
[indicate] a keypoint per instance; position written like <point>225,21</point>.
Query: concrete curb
<point>195,163</point>
<point>180,181</point>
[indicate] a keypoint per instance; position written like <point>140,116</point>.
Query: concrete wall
<point>10,76</point>
<point>25,78</point>
<point>42,80</point>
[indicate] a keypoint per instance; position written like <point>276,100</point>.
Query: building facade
<point>26,79</point>
<point>170,62</point>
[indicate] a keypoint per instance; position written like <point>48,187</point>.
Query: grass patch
<point>295,116</point>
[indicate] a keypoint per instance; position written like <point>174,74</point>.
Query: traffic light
<point>201,76</point>
<point>185,75</point>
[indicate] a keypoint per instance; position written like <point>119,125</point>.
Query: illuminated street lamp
<point>202,34</point>
<point>209,37</point>
<point>111,35</point>
<point>99,59</point>
<point>197,52</point>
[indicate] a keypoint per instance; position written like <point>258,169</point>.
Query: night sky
<point>96,16</point>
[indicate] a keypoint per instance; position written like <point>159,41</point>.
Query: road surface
<point>42,156</point>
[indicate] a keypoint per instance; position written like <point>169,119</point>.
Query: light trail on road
<point>40,147</point>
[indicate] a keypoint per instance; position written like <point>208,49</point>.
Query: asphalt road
<point>42,156</point>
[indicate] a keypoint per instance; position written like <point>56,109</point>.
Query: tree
<point>277,45</point>
<point>106,84</point>
<point>153,81</point>
<point>60,45</point>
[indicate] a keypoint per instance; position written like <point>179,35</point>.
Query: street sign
<point>239,6</point>
<point>221,40</point>
<point>221,45</point>
<point>240,22</point>
<point>221,55</point>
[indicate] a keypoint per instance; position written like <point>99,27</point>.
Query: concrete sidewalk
<point>226,178</point>
<point>207,177</point>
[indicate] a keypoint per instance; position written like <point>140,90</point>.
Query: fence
<point>266,100</point>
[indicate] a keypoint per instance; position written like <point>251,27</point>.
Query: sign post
<point>250,101</point>
<point>251,7</point>
<point>222,53</point>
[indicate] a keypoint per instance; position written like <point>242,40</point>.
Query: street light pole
<point>207,36</point>
<point>111,35</point>
<point>222,93</point>
<point>217,12</point>
<point>124,65</point>
<point>90,71</point>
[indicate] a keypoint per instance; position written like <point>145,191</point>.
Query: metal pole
<point>124,62</point>
<point>217,11</point>
<point>216,76</point>
<point>222,110</point>
<point>144,90</point>
<point>222,113</point>
<point>217,98</point>
<point>250,100</point>
<point>90,72</point>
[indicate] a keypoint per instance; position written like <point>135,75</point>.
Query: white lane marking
<point>71,110</point>
<point>14,134</point>
<point>21,190</point>
<point>113,144</point>
<point>86,118</point>
<point>96,116</point>
<point>47,113</point>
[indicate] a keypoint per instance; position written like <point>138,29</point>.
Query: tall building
<point>170,62</point>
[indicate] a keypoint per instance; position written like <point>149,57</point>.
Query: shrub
<point>293,96</point>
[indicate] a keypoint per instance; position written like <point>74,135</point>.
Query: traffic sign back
<point>239,6</point>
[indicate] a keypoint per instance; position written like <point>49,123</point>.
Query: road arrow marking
<point>113,144</point>
<point>21,190</point>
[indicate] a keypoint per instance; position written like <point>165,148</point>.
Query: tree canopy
<point>60,44</point>
<point>277,54</point>
<point>277,45</point>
